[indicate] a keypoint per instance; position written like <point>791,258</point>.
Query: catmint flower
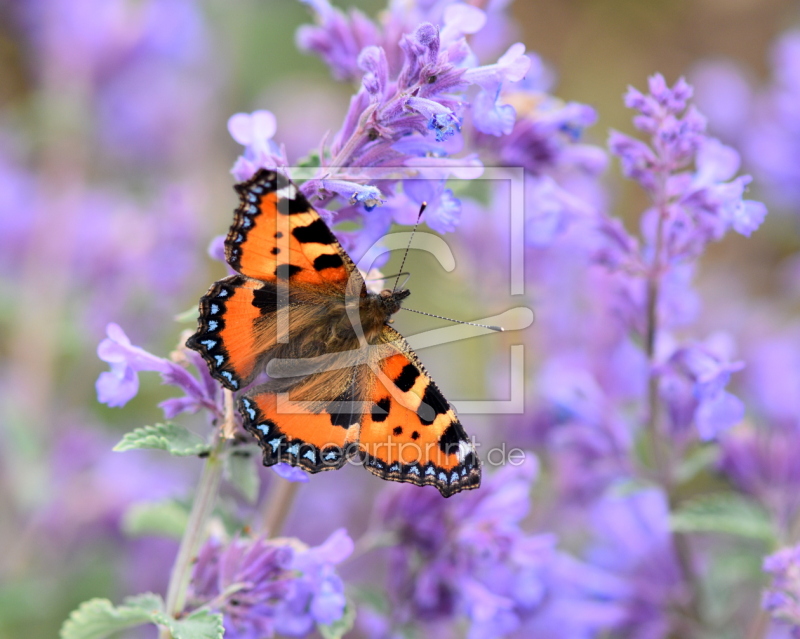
<point>633,541</point>
<point>266,587</point>
<point>255,132</point>
<point>440,119</point>
<point>369,196</point>
<point>119,385</point>
<point>460,20</point>
<point>694,207</point>
<point>488,115</point>
<point>471,560</point>
<point>693,387</point>
<point>338,39</point>
<point>782,598</point>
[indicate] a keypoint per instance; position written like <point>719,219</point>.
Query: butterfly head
<point>391,300</point>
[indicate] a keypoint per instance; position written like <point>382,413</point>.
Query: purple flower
<point>410,106</point>
<point>782,598</point>
<point>338,39</point>
<point>694,208</point>
<point>471,560</point>
<point>119,385</point>
<point>464,558</point>
<point>266,587</point>
<point>633,542</point>
<point>692,385</point>
<point>317,595</point>
<point>255,132</point>
<point>488,115</point>
<point>369,196</point>
<point>761,462</point>
<point>246,580</point>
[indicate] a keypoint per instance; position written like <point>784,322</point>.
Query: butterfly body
<point>341,381</point>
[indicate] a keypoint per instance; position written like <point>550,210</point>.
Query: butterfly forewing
<point>276,234</point>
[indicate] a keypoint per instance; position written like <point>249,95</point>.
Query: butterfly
<point>342,383</point>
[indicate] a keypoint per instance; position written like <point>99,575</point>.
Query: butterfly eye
<point>386,293</point>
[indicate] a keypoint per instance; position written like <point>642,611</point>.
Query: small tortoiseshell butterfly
<point>298,298</point>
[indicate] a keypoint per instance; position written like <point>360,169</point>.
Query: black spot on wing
<point>398,430</point>
<point>317,232</point>
<point>415,435</point>
<point>405,380</point>
<point>285,271</point>
<point>275,250</point>
<point>267,299</point>
<point>342,411</point>
<point>294,207</point>
<point>328,261</point>
<point>433,404</point>
<point>451,437</point>
<point>380,410</point>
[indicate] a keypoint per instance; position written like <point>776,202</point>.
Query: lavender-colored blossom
<point>267,587</point>
<point>409,110</point>
<point>443,209</point>
<point>469,555</point>
<point>471,560</point>
<point>762,121</point>
<point>369,196</point>
<point>255,132</point>
<point>693,388</point>
<point>782,598</point>
<point>633,542</point>
<point>119,385</point>
<point>691,208</point>
<point>759,457</point>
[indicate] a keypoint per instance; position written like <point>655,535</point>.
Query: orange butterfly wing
<point>276,234</point>
<point>412,434</point>
<point>276,239</point>
<point>313,441</point>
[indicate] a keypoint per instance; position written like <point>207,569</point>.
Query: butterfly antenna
<point>405,255</point>
<point>499,329</point>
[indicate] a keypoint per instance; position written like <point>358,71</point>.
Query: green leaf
<point>310,161</point>
<point>726,513</point>
<point>165,518</point>
<point>340,627</point>
<point>176,440</point>
<point>199,625</point>
<point>98,618</point>
<point>146,601</point>
<point>242,472</point>
<point>696,462</point>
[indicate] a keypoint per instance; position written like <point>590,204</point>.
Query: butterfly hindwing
<point>291,432</point>
<point>412,434</point>
<point>235,328</point>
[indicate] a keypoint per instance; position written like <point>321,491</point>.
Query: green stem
<point>193,535</point>
<point>662,457</point>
